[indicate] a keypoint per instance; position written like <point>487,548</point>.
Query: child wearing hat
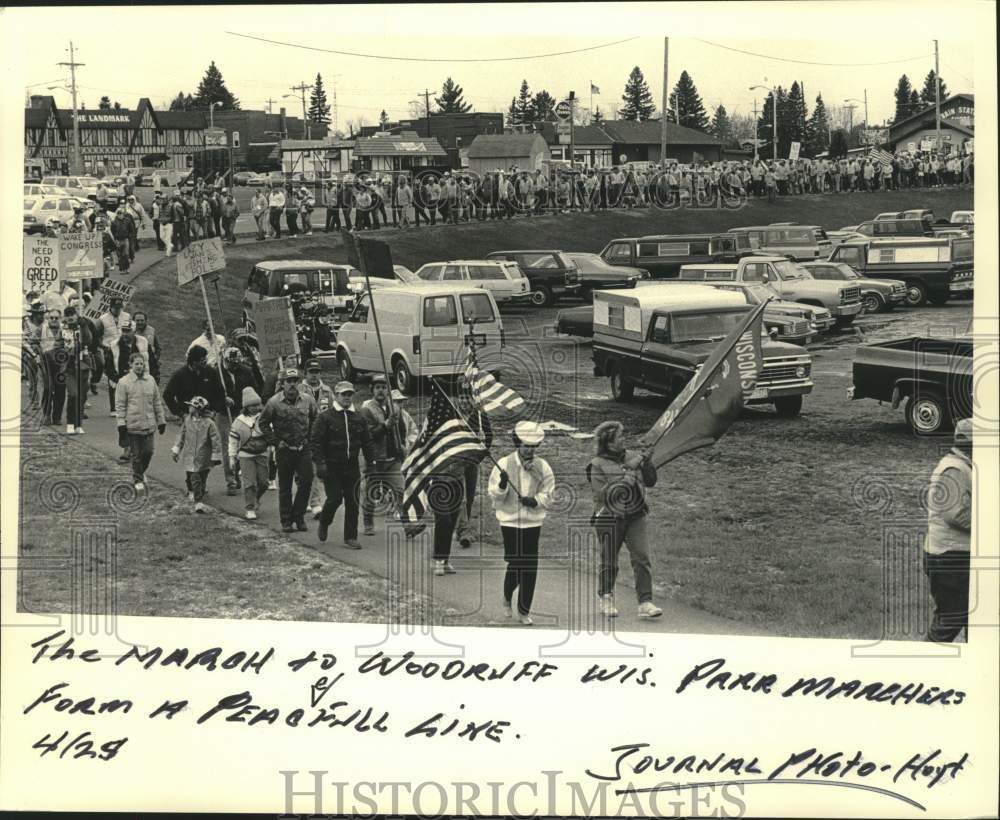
<point>198,448</point>
<point>249,448</point>
<point>521,487</point>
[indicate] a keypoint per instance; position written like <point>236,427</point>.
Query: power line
<point>431,59</point>
<point>810,62</point>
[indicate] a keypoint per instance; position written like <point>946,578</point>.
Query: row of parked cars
<point>56,197</point>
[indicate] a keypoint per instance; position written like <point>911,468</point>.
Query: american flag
<point>489,395</point>
<point>445,445</point>
<point>880,155</point>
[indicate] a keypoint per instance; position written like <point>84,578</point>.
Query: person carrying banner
<point>521,486</point>
<point>323,394</point>
<point>80,344</point>
<point>392,429</point>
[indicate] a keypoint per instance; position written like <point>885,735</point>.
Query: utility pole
<point>333,110</point>
<point>302,88</point>
<point>755,130</point>
<point>665,102</point>
<point>270,103</point>
<point>427,110</point>
<point>77,164</point>
<point>774,132</point>
<point>572,133</point>
<point>937,100</point>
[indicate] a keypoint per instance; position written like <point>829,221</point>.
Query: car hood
<point>878,283</point>
<point>786,308</point>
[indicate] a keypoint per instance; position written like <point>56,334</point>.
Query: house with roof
<point>591,145</point>
<point>918,131</point>
<point>112,140</point>
<point>397,152</point>
<point>640,142</point>
<point>316,159</point>
<point>489,152</point>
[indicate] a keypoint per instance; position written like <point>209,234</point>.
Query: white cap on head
<point>528,432</point>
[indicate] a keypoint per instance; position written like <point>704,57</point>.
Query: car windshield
<point>29,204</point>
<point>847,271</point>
<point>704,327</point>
<point>789,270</point>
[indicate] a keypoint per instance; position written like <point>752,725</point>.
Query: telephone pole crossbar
<point>302,88</point>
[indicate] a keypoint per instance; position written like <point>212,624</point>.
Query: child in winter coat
<point>198,448</point>
<point>248,448</point>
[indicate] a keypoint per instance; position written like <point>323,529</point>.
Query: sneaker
<point>80,431</point>
<point>316,511</point>
<point>525,620</point>
<point>449,568</point>
<point>369,529</point>
<point>607,606</point>
<point>352,544</point>
<point>439,567</point>
<point>288,528</point>
<point>114,414</point>
<point>272,484</point>
<point>508,610</point>
<point>647,609</point>
<point>70,430</point>
<point>464,543</point>
<point>124,458</point>
<point>200,508</point>
<point>251,515</point>
<point>140,487</point>
<point>300,525</point>
<point>321,531</point>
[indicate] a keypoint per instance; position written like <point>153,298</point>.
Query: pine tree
<point>818,129</point>
<point>638,101</point>
<point>319,111</point>
<point>927,93</point>
<point>450,101</point>
<point>545,106</point>
<point>902,93</point>
<point>524,106</point>
<point>182,102</point>
<point>838,143</point>
<point>915,103</point>
<point>212,88</point>
<point>720,127</point>
<point>686,101</point>
<point>117,106</point>
<point>104,104</point>
<point>766,120</point>
<point>512,116</point>
<point>796,115</point>
<point>785,126</point>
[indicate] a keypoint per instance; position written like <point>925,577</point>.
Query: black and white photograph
<point>545,320</point>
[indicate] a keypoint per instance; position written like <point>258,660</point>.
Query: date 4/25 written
<point>81,746</point>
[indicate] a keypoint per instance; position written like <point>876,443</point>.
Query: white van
<point>425,331</point>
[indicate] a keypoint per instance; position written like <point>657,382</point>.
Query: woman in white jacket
<point>521,488</point>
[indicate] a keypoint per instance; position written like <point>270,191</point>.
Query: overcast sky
<point>134,52</point>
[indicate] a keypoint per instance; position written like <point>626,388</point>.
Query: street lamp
<point>774,113</point>
<point>211,113</point>
<point>864,102</point>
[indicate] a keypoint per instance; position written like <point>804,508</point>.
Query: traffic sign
<point>562,128</point>
<point>215,137</point>
<point>563,110</point>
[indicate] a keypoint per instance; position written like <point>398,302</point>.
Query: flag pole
<point>218,357</point>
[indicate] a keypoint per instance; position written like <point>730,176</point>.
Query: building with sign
<point>455,132</point>
<point>398,152</point>
<point>316,159</point>
<point>254,136</point>
<point>640,142</point>
<point>490,152</point>
<point>918,132</point>
<point>591,145</point>
<point>112,140</point>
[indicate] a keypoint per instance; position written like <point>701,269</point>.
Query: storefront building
<point>112,141</point>
<point>919,132</point>
<point>401,152</point>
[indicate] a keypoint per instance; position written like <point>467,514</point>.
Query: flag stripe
<point>489,394</point>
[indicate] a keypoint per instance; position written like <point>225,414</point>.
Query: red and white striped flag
<point>489,395</point>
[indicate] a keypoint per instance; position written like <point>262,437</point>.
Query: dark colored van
<point>888,228</point>
<point>664,256</point>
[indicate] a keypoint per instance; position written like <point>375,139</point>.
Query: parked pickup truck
<point>664,255</point>
<point>933,268</point>
<point>656,338</point>
<point>791,281</point>
<point>932,376</point>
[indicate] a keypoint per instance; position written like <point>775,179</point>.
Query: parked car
<point>257,180</point>
<point>789,280</point>
<point>932,376</point>
<point>876,294</point>
<point>656,337</point>
<point>424,332</point>
<point>896,227</point>
<point>551,274</point>
<point>596,274</point>
<point>37,189</point>
<point>793,241</point>
<point>663,256</point>
<point>503,279</point>
<point>837,237</point>
<point>242,178</point>
<point>81,186</point>
<point>963,218</point>
<point>933,268</point>
<point>50,207</point>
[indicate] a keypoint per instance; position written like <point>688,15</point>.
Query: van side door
<point>357,334</point>
<point>442,341</point>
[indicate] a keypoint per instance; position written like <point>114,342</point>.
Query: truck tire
<point>403,379</point>
<point>347,371</point>
<point>938,299</point>
<point>621,388</point>
<point>541,295</point>
<point>788,406</point>
<point>916,293</point>
<point>587,294</point>
<point>927,413</point>
<point>873,303</point>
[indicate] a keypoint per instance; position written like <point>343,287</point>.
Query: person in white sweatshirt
<point>521,487</point>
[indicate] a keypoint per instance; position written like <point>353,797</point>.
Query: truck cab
<point>933,268</point>
<point>664,255</point>
<point>794,241</point>
<point>656,337</point>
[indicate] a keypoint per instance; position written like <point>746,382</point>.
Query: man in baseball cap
<point>390,427</point>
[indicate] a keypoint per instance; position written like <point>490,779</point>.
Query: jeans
<point>223,422</point>
<point>445,496</point>
<point>293,464</point>
<point>291,220</point>
<point>75,399</point>
<point>140,447</point>
<point>197,481</point>
<point>228,228</point>
<point>254,471</point>
<point>610,537</point>
<point>949,579</point>
<point>261,220</point>
<point>381,478</point>
<point>471,483</point>
<point>275,218</point>
<point>520,551</point>
<point>332,218</point>
<point>342,483</point>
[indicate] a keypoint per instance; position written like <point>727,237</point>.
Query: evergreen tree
<point>902,93</point>
<point>450,101</point>
<point>687,104</point>
<point>796,115</point>
<point>104,104</point>
<point>818,129</point>
<point>524,106</point>
<point>319,111</point>
<point>785,123</point>
<point>117,106</point>
<point>838,143</point>
<point>766,120</point>
<point>545,106</point>
<point>182,102</point>
<point>720,127</point>
<point>927,93</point>
<point>638,101</point>
<point>915,103</point>
<point>212,88</point>
<point>512,117</point>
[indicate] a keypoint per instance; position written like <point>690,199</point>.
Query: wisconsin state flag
<point>712,400</point>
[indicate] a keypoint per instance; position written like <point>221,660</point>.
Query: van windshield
<point>704,327</point>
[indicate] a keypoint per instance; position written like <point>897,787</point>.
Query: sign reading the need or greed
<point>275,328</point>
<point>110,289</point>
<point>41,264</point>
<point>81,255</point>
<point>201,257</point>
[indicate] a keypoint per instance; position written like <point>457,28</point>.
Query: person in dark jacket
<point>338,437</point>
<point>196,378</point>
<point>122,228</point>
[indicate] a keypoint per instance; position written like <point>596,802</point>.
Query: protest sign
<point>793,150</point>
<point>41,264</point>
<point>110,288</point>
<point>199,258</point>
<point>81,255</point>
<point>275,328</point>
